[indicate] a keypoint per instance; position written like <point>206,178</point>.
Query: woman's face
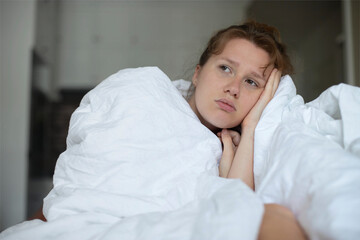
<point>229,84</point>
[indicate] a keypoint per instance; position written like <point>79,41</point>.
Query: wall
<point>312,31</point>
<point>355,5</point>
<point>1,143</point>
<point>321,55</point>
<point>46,35</point>
<point>17,32</point>
<point>97,39</point>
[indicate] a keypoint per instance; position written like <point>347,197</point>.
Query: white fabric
<point>307,157</point>
<point>140,165</point>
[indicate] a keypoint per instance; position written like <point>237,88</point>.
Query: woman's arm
<point>230,140</point>
<point>242,165</point>
<point>279,223</point>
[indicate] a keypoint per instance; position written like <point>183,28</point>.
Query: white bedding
<point>140,165</point>
<point>307,158</point>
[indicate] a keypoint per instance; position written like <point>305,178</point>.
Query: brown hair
<point>262,35</point>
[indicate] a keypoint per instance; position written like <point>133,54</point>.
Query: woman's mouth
<point>226,105</point>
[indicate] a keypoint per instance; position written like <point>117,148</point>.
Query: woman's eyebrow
<point>230,61</point>
<point>258,76</point>
<point>254,74</point>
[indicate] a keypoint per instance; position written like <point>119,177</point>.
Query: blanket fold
<point>140,165</point>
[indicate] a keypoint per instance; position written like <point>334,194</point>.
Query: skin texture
<point>279,223</point>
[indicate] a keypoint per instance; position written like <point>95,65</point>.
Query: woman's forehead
<point>245,53</point>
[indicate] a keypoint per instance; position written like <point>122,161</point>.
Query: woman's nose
<point>233,89</point>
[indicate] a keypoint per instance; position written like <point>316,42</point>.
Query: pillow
<point>285,97</point>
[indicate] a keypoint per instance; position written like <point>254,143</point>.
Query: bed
<point>140,165</point>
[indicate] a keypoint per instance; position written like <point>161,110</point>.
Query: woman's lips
<point>226,105</point>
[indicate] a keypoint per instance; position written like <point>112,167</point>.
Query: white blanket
<point>307,158</point>
<point>140,165</point>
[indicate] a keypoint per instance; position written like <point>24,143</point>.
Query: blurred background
<point>53,51</point>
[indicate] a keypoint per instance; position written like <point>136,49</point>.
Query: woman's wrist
<point>247,128</point>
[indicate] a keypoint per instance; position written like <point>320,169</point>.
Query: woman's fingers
<point>276,82</point>
<point>235,136</point>
<point>228,153</point>
<point>227,140</point>
<point>272,82</point>
<point>270,88</point>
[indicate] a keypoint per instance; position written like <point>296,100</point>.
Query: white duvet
<point>140,165</point>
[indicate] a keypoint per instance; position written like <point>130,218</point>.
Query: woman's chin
<point>219,122</point>
<point>222,125</point>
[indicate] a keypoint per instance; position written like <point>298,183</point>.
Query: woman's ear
<point>196,75</point>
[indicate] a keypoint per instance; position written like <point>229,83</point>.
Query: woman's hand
<point>230,140</point>
<point>253,117</point>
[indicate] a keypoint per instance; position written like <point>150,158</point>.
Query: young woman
<point>237,75</point>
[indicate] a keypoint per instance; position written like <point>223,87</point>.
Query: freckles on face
<point>229,84</point>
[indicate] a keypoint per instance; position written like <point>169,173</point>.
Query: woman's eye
<point>251,82</point>
<point>225,68</point>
